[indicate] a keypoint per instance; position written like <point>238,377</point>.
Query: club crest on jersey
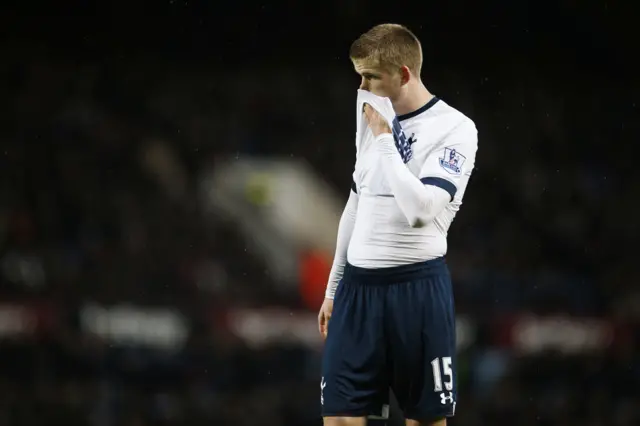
<point>452,161</point>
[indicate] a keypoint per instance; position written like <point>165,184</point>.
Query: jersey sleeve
<point>450,164</point>
<point>355,175</point>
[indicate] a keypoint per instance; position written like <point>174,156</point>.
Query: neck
<point>414,96</point>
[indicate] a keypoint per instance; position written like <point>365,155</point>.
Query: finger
<point>372,115</point>
<point>327,318</point>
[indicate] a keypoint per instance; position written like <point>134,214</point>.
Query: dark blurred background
<point>172,174</point>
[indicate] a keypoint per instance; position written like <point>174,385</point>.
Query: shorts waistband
<point>394,274</point>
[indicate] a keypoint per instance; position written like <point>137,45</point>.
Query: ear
<point>405,75</point>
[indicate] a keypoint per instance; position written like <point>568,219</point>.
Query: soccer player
<point>388,317</point>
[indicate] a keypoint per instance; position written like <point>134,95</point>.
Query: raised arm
<point>421,198</point>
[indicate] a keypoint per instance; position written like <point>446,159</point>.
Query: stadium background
<point>172,175</point>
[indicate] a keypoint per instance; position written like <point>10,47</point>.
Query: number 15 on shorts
<point>442,370</point>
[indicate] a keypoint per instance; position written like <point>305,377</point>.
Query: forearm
<point>418,202</point>
<point>345,230</point>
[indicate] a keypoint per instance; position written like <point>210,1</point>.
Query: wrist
<point>385,137</point>
<point>386,144</point>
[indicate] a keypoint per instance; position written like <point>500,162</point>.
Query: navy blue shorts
<point>391,328</point>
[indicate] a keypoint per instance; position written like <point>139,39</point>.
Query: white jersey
<point>439,143</point>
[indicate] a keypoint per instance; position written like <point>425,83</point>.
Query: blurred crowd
<point>100,166</point>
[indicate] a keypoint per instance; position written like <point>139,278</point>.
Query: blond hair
<point>388,46</point>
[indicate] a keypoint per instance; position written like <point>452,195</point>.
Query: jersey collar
<point>420,110</point>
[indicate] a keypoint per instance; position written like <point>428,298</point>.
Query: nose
<point>364,84</point>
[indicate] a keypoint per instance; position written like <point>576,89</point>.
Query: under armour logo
<point>446,399</point>
<point>323,384</point>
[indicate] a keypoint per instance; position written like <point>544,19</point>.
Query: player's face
<point>378,81</point>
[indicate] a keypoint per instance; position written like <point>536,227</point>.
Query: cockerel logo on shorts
<point>323,384</point>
